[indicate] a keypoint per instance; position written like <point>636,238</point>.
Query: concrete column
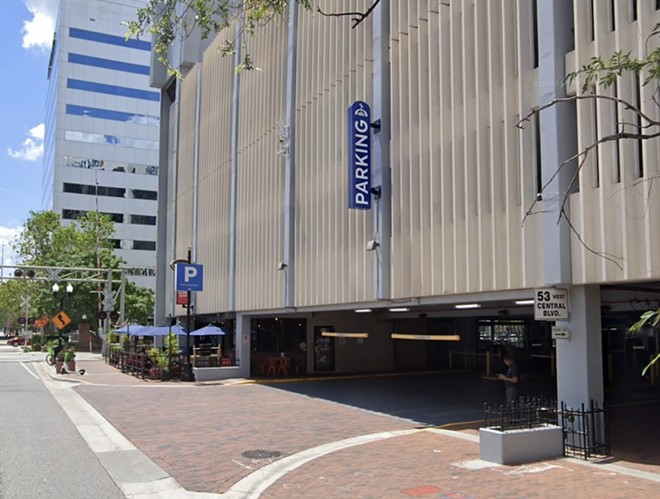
<point>580,358</point>
<point>242,332</point>
<point>557,132</point>
<point>381,176</point>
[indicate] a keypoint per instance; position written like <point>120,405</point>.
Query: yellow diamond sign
<point>61,320</point>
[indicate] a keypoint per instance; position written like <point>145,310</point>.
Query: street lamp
<point>187,374</point>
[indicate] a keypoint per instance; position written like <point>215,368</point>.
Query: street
<point>41,453</point>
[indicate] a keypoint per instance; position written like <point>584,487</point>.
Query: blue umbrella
<point>209,330</point>
<point>129,328</point>
<point>162,330</point>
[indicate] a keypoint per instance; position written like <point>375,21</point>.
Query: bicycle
<point>52,356</point>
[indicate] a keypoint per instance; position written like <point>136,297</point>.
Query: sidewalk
<point>243,439</point>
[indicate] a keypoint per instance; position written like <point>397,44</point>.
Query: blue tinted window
<point>108,64</point>
<point>110,39</point>
<point>112,90</point>
<point>107,114</point>
<point>97,138</point>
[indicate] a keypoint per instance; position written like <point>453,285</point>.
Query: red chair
<point>272,366</point>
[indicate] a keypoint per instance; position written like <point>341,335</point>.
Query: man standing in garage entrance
<point>510,379</point>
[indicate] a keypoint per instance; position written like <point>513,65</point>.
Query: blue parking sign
<point>189,277</point>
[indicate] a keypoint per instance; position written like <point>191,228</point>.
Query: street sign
<point>41,322</point>
<point>550,304</point>
<point>359,156</point>
<point>189,277</point>
<point>61,320</point>
<point>181,298</point>
<point>561,333</point>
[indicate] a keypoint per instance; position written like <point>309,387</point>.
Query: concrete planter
<point>521,446</point>
<point>70,366</point>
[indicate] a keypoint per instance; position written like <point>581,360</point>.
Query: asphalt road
<point>41,454</point>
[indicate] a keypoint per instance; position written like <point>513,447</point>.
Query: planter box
<point>521,446</point>
<point>70,366</point>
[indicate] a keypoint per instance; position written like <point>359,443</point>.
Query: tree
<point>169,20</point>
<point>86,243</point>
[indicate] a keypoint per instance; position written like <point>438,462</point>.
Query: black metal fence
<point>525,413</point>
<point>140,365</point>
<point>585,430</point>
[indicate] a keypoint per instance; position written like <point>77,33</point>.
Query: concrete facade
<point>458,179</point>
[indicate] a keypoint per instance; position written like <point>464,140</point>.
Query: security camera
<point>372,245</point>
<point>281,266</point>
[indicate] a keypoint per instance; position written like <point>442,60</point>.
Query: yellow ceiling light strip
<point>344,335</point>
<point>426,337</point>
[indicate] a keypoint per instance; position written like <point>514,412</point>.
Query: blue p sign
<point>189,277</point>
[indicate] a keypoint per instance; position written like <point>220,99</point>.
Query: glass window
<point>141,194</point>
<point>97,138</point>
<point>103,88</point>
<point>502,332</point>
<point>94,190</point>
<point>143,220</point>
<point>120,41</point>
<point>144,245</point>
<point>99,62</point>
<point>108,114</point>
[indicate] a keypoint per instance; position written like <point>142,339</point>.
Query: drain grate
<point>261,454</point>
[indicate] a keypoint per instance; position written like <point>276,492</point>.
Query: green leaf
<point>655,359</point>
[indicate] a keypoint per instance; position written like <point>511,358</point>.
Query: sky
<point>26,34</point>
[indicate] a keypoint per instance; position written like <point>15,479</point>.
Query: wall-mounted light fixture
<point>281,266</point>
<point>426,337</point>
<point>333,334</point>
<point>362,310</point>
<point>524,302</point>
<point>372,245</point>
<point>467,306</point>
<point>400,309</point>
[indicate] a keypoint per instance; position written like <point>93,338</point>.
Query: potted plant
<point>68,357</point>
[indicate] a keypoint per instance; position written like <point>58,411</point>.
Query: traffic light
<point>103,315</point>
<point>18,273</point>
<point>21,320</point>
<point>31,273</point>
<point>114,315</point>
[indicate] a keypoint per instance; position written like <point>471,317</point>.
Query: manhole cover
<point>261,454</point>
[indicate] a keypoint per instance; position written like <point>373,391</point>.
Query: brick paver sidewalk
<point>426,464</point>
<point>206,437</point>
<point>199,434</point>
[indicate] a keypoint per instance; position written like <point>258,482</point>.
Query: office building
<point>102,125</point>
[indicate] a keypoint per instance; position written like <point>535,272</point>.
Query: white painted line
<point>29,371</point>
<point>253,485</point>
<point>241,464</point>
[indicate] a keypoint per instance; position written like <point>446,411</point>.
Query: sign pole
<point>187,367</point>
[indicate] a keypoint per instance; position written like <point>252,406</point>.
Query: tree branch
<point>358,17</point>
<point>627,105</point>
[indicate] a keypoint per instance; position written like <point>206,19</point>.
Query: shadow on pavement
<point>428,399</point>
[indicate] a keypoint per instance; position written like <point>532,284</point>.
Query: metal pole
<point>187,368</point>
<point>290,159</point>
<point>122,297</point>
